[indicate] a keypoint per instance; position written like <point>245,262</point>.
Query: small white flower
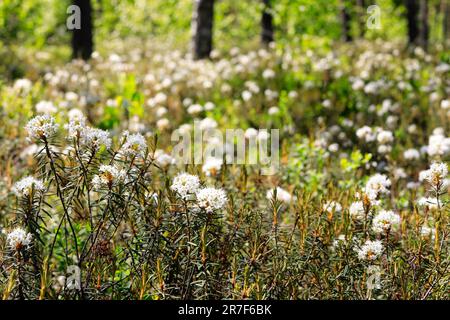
<point>46,107</point>
<point>430,203</point>
<point>211,199</point>
<point>185,185</point>
<point>370,250</point>
<point>109,176</point>
<point>163,124</point>
<point>212,166</point>
<point>282,195</point>
<point>41,127</point>
<point>251,133</point>
<point>207,124</point>
<point>366,134</point>
<point>427,232</point>
<point>94,138</point>
<point>195,108</point>
<point>377,184</point>
<point>273,111</point>
<point>385,137</point>
<point>438,144</point>
<point>135,145</point>
<point>436,175</point>
<point>357,210</point>
<point>25,186</point>
<point>445,104</point>
<point>75,127</point>
<point>162,159</point>
<point>411,154</point>
<point>385,221</point>
<point>23,85</point>
<point>340,240</point>
<point>332,206</point>
<point>19,238</point>
<point>209,106</point>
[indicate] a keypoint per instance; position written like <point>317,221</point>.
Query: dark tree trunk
<point>346,20</point>
<point>446,26</point>
<point>424,26</point>
<point>202,25</point>
<point>267,23</point>
<point>412,16</point>
<point>82,39</point>
<point>361,14</point>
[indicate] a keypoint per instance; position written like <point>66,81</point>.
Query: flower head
<point>94,138</point>
<point>436,175</point>
<point>332,206</point>
<point>134,145</point>
<point>212,166</point>
<point>76,127</point>
<point>163,159</point>
<point>357,210</point>
<point>282,195</point>
<point>27,185</point>
<point>185,184</point>
<point>41,127</point>
<point>370,250</point>
<point>211,199</point>
<point>385,221</point>
<point>18,239</point>
<point>108,176</point>
<point>377,184</point>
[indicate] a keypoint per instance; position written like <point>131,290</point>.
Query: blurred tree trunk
<point>267,23</point>
<point>424,33</point>
<point>346,20</point>
<point>446,22</point>
<point>82,39</point>
<point>361,5</point>
<point>202,26</point>
<point>412,15</point>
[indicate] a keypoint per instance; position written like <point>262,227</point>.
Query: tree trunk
<point>202,25</point>
<point>412,15</point>
<point>267,23</point>
<point>446,22</point>
<point>346,19</point>
<point>424,27</point>
<point>82,40</point>
<point>361,5</point>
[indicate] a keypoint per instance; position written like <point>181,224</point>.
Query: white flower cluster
<point>18,238</point>
<point>212,166</point>
<point>76,127</point>
<point>384,138</point>
<point>370,250</point>
<point>94,138</point>
<point>185,185</point>
<point>109,176</point>
<point>428,202</point>
<point>163,159</point>
<point>46,107</point>
<point>376,185</point>
<point>211,199</point>
<point>134,145</point>
<point>357,210</point>
<point>436,175</point>
<point>208,199</point>
<point>282,195</point>
<point>332,206</point>
<point>438,144</point>
<point>427,232</point>
<point>25,186</point>
<point>385,221</point>
<point>40,127</point>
